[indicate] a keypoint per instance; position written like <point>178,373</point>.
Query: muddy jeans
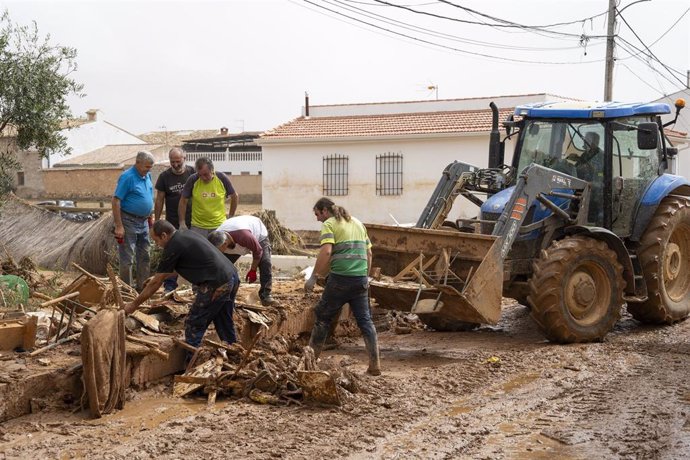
<point>136,240</point>
<point>207,309</point>
<point>339,291</point>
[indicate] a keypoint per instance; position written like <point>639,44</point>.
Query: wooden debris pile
<point>265,372</point>
<point>25,268</point>
<point>283,240</point>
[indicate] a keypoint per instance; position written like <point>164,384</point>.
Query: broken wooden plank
<point>89,274</point>
<point>191,379</point>
<point>147,320</point>
<point>203,370</point>
<point>71,295</point>
<point>153,347</point>
<point>211,401</point>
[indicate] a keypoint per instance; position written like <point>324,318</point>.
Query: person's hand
<point>119,232</point>
<point>251,276</point>
<point>150,221</point>
<point>310,283</point>
<point>183,226</point>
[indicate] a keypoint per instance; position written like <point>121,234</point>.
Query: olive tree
<point>35,82</point>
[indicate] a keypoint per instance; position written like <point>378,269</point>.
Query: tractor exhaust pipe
<point>495,157</point>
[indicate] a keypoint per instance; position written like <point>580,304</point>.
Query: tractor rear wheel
<point>665,259</point>
<point>576,290</point>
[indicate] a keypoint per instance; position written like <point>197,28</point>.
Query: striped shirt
<point>350,243</point>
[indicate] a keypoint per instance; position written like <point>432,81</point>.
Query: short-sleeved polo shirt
<point>350,244</point>
<point>135,192</point>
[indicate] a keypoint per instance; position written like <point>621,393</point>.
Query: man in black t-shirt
<point>168,189</point>
<point>214,280</point>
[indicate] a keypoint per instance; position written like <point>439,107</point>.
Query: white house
<point>86,135</point>
<point>381,161</point>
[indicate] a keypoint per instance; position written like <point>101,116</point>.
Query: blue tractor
<point>585,221</point>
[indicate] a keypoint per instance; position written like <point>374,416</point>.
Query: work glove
<point>310,283</point>
<point>251,276</point>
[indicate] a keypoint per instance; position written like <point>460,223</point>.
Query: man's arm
<point>323,259</point>
<point>151,287</point>
<point>234,200</point>
<point>369,257</point>
<point>182,212</point>
<point>158,207</point>
<point>246,239</point>
<point>117,217</point>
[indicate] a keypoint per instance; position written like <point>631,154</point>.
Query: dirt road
<point>441,396</point>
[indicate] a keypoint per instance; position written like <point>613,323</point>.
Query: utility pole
<point>610,43</point>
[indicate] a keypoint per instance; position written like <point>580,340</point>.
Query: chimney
<point>306,104</point>
<point>223,131</point>
<point>92,114</point>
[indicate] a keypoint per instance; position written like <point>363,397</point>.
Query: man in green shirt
<point>345,256</point>
<point>209,191</point>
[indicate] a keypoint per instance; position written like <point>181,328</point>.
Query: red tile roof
<point>466,121</point>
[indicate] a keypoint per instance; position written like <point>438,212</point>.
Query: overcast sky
<point>154,65</point>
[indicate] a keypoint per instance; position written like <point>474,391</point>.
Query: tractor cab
<point>615,147</point>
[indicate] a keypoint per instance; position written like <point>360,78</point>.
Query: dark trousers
<point>339,291</point>
<point>265,268</point>
<point>207,309</point>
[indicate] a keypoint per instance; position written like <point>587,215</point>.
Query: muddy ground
<point>441,395</point>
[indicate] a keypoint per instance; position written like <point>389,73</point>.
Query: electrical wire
<point>501,25</point>
<point>647,48</point>
<point>515,24</point>
<point>472,53</point>
<point>625,45</point>
<point>354,9</point>
<point>643,81</point>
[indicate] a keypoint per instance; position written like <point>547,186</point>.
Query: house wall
<point>80,183</point>
<point>33,179</point>
<point>248,187</point>
<point>292,177</point>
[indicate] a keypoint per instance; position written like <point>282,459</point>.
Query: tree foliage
<point>35,81</point>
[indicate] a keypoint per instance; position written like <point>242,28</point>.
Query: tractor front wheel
<point>576,290</point>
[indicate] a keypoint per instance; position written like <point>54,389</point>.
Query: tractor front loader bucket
<point>447,278</point>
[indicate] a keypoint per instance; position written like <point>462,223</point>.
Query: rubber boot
<point>318,338</point>
<point>372,346</point>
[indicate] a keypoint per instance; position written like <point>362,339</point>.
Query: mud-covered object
<point>103,357</point>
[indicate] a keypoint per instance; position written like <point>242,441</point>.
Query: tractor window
<point>633,170</point>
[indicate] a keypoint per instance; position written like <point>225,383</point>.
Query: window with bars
<point>389,174</point>
<point>335,175</point>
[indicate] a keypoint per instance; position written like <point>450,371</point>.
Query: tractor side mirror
<point>671,151</point>
<point>647,136</point>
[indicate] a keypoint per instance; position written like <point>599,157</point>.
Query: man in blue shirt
<point>132,207</point>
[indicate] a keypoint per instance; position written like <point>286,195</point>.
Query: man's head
<point>591,140</point>
<point>162,232</point>
<point>323,209</point>
<point>221,239</point>
<point>204,167</point>
<point>144,162</point>
<point>176,156</point>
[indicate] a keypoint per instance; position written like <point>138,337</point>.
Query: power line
<point>405,25</point>
<point>625,46</point>
<point>502,25</point>
<point>472,53</point>
<point>557,24</point>
<point>643,81</point>
<point>650,51</point>
<point>651,57</point>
